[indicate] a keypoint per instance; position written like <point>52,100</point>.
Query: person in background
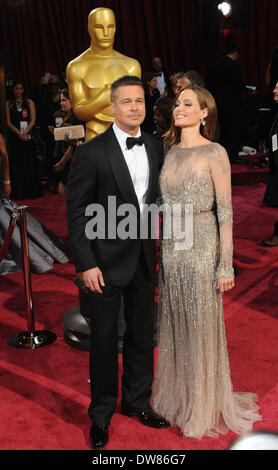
<point>162,115</point>
<point>24,167</point>
<point>271,79</point>
<point>172,80</point>
<point>45,247</point>
<point>161,78</point>
<point>38,93</point>
<point>192,77</point>
<point>64,149</point>
<point>51,106</point>
<point>271,194</point>
<point>226,84</point>
<point>151,95</point>
<point>64,81</point>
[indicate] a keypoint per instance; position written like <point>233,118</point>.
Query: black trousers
<point>138,345</point>
<point>230,132</point>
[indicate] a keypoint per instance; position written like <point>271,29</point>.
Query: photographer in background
<point>271,194</point>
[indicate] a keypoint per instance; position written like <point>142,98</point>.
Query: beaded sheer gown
<point>192,386</point>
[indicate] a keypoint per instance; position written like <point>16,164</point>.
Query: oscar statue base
<point>33,340</point>
<point>77,329</point>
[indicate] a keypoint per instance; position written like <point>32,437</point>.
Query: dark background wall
<point>39,35</point>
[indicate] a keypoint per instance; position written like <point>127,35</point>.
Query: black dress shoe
<point>148,417</point>
<point>99,436</point>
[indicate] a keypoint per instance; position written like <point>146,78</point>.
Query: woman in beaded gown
<point>192,388</point>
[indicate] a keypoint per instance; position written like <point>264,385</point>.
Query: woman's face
<point>275,92</point>
<point>173,79</point>
<point>65,104</point>
<point>157,116</point>
<point>45,78</point>
<point>18,90</point>
<point>152,84</point>
<point>187,111</point>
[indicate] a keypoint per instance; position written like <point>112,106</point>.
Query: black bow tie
<point>131,141</point>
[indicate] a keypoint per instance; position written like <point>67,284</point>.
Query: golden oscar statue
<point>91,74</point>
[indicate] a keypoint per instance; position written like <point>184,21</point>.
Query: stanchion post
<point>30,339</point>
<point>26,269</point>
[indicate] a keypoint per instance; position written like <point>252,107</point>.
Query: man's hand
<point>93,280</point>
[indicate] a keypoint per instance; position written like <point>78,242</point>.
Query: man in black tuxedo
<point>160,76</point>
<point>226,84</point>
<point>121,165</point>
<point>271,194</point>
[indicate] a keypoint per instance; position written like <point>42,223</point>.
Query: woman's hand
<point>71,142</point>
<point>23,136</point>
<point>225,284</point>
<point>59,166</point>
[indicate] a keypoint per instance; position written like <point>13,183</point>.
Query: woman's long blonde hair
<point>205,100</point>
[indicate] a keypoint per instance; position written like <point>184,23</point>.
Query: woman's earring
<point>204,122</point>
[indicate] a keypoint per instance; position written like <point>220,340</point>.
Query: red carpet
<point>45,392</point>
<point>250,172</point>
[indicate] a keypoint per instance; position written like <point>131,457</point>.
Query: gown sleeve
<point>221,176</point>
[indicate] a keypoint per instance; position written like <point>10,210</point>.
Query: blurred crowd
<point>245,116</point>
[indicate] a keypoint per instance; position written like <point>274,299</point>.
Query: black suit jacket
<point>273,156</point>
<point>271,193</point>
<point>99,170</point>
<point>226,84</point>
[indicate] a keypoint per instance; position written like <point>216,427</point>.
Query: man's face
<point>128,108</point>
<point>275,93</point>
<point>157,64</point>
<point>182,83</point>
<point>102,28</point>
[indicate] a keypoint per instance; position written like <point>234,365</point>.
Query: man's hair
<point>126,80</point>
<point>180,75</point>
<point>194,77</point>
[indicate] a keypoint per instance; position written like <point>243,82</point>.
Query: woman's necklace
<point>18,106</point>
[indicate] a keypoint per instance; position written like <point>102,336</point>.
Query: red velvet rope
<point>8,238</point>
<point>9,235</point>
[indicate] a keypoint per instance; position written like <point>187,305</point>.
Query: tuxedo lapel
<point>119,167</point>
<point>151,157</point>
<point>274,130</point>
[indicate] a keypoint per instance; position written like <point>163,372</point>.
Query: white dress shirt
<point>161,83</point>
<point>138,164</point>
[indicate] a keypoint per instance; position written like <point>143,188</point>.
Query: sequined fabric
<point>192,386</point>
